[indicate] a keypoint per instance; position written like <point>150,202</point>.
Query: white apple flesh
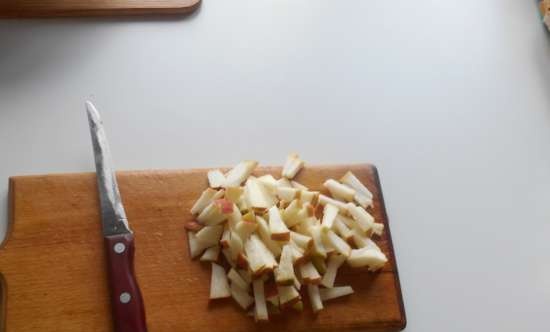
<point>216,179</point>
<point>335,292</point>
<point>219,287</point>
<point>314,298</point>
<point>260,309</point>
<point>334,263</point>
<point>206,197</point>
<point>241,296</point>
<point>339,191</point>
<point>211,254</point>
<point>239,173</point>
<point>292,166</point>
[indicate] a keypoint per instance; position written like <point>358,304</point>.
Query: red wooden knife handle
<point>126,300</point>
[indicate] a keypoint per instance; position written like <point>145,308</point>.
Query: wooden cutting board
<point>51,8</point>
<point>54,266</point>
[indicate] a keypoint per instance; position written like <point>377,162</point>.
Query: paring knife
<point>126,301</point>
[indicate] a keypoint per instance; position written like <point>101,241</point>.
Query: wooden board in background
<point>54,265</point>
<point>53,8</point>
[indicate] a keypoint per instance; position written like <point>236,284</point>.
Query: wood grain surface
<point>55,8</point>
<point>55,269</point>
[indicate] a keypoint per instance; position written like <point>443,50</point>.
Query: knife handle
<point>126,301</point>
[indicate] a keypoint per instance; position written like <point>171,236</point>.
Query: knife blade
<point>126,301</point>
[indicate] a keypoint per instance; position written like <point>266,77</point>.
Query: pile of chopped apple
<point>276,236</point>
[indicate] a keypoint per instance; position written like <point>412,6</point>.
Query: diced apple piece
<point>257,196</point>
<point>361,216</point>
<point>314,298</point>
<point>318,248</point>
<point>309,274</point>
<point>329,214</point>
<point>237,279</point>
<point>298,254</point>
<point>351,180</point>
<point>319,263</point>
<point>349,222</point>
<point>309,197</point>
<point>241,296</point>
<point>211,215</point>
<point>193,226</point>
<point>288,295</point>
<point>245,228</point>
<point>334,262</point>
<point>362,200</point>
<point>335,292</point>
<point>227,254</point>
<point>207,197</point>
<point>219,288</point>
<point>234,194</point>
<point>284,182</point>
<point>292,166</point>
<point>242,204</point>
<point>298,185</point>
<point>342,229</point>
<point>286,194</point>
<point>377,228</point>
<point>372,258</point>
<point>324,200</point>
<point>303,241</point>
<point>260,309</point>
<point>239,173</point>
<point>304,226</point>
<point>216,179</point>
<point>210,235</point>
<point>211,254</point>
<point>277,227</point>
<point>290,213</point>
<point>339,191</point>
<point>269,183</point>
<point>260,258</point>
<point>337,243</point>
<point>195,247</point>
<point>284,273</point>
<point>265,235</point>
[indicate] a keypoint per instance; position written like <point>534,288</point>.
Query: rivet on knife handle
<point>126,300</point>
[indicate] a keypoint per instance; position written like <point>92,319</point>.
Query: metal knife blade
<point>113,216</point>
<point>128,310</point>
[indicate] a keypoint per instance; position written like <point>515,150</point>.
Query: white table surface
<point>450,99</point>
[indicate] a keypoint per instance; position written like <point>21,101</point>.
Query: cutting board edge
<point>194,170</point>
<point>403,316</point>
<point>99,12</point>
<point>11,211</point>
